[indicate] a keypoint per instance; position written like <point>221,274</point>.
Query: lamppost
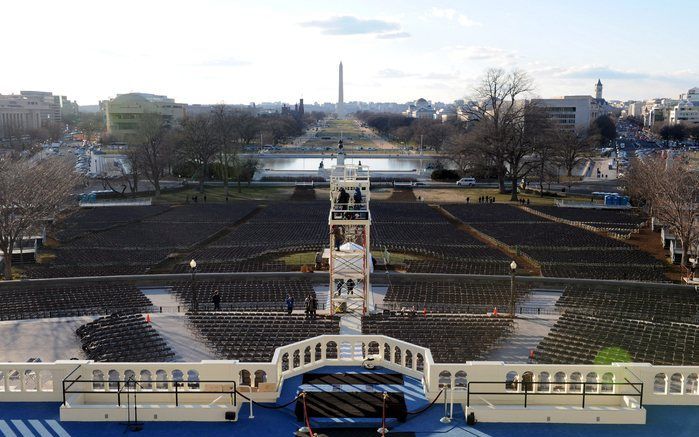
<point>193,269</point>
<point>513,300</point>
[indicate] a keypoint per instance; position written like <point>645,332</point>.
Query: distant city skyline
<point>392,51</point>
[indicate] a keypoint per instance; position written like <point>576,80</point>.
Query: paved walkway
<point>48,339</point>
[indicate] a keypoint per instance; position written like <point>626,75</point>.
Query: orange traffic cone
<point>495,311</point>
<point>147,318</point>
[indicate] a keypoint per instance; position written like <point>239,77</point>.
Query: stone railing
<point>49,382</point>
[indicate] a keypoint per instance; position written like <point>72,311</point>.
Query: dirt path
<point>522,262</point>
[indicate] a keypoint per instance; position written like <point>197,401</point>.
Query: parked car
<point>466,182</point>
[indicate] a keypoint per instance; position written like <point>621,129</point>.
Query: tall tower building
<point>598,90</point>
<point>340,108</point>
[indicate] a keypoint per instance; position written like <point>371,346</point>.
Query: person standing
<point>350,286</point>
<point>338,236</point>
<point>307,306</point>
<point>216,299</point>
<point>289,303</point>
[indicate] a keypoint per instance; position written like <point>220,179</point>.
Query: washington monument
<point>340,109</point>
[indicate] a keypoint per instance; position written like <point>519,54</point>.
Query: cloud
<point>223,62</point>
<point>452,15</point>
<point>349,25</point>
<point>390,73</point>
<point>479,53</point>
<point>595,72</point>
<point>393,35</point>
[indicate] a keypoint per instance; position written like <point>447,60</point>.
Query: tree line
<point>507,135</point>
<point>204,146</point>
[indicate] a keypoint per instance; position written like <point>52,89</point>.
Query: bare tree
<point>671,191</point>
<point>30,194</point>
<point>499,112</point>
<point>227,135</point>
<point>152,151</point>
<point>198,144</point>
<point>572,148</point>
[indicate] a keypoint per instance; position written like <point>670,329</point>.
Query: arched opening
<point>387,352</point>
<point>30,381</point>
<point>114,383</point>
<point>45,380</point>
<point>408,359</point>
<point>178,378</point>
<point>591,382</point>
<point>13,381</point>
<point>331,350</point>
<point>397,356</point>
<point>544,385</point>
<point>146,379</point>
<point>676,384</point>
<point>244,377</point>
<point>460,379</point>
<point>285,362</point>
<point>660,384</point>
<point>260,377</point>
<point>559,382</point>
<point>319,352</point>
<point>575,383</point>
<point>307,355</point>
<point>130,379</point>
<point>193,379</point>
<point>161,380</point>
<point>373,348</point>
<point>444,379</point>
<point>691,384</point>
<point>2,381</point>
<point>297,358</point>
<point>97,380</point>
<point>607,383</point>
<point>511,381</point>
<point>420,364</point>
<point>528,381</point>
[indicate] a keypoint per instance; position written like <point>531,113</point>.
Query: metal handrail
<point>583,393</point>
<point>123,384</point>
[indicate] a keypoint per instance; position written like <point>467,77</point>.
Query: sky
<point>212,51</point>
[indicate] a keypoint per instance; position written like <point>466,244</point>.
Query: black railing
<point>131,383</point>
<point>528,390</point>
<point>185,307</point>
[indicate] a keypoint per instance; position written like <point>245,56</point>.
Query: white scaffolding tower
<point>349,255</point>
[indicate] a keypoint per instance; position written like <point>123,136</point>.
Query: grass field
<point>217,194</point>
<point>439,195</point>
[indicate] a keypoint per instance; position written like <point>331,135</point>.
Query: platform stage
<point>352,405</point>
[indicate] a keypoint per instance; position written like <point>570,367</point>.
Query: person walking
<point>216,299</point>
<point>289,303</point>
<point>307,306</point>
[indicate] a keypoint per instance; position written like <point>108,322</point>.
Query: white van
<point>466,182</point>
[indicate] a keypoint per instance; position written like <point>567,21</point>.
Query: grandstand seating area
<point>462,295</point>
<point>620,222</point>
<point>419,229</point>
<point>253,336</point>
<point>258,294</point>
<point>281,227</point>
<point>39,300</point>
<point>130,240</point>
<point>562,250</point>
<point>127,338</point>
<point>655,303</point>
<point>452,338</point>
<point>98,219</point>
<point>585,339</point>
